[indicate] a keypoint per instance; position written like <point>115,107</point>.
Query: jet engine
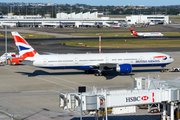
<point>123,68</point>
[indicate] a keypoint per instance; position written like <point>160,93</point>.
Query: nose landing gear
<point>163,68</point>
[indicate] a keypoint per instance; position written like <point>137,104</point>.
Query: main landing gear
<point>96,73</point>
<point>162,70</point>
<point>99,73</point>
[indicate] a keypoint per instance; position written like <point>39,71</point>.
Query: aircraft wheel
<point>96,74</point>
<point>91,71</point>
<point>86,71</point>
<point>162,70</point>
<point>100,74</point>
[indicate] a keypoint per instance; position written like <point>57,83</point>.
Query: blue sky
<point>105,2</point>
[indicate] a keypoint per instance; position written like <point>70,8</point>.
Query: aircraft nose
<point>172,60</point>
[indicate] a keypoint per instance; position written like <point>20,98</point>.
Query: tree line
<point>107,10</point>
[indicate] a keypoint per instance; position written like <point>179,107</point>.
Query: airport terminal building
<point>158,19</point>
<point>62,19</point>
<point>78,20</point>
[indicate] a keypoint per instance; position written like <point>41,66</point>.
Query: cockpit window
<point>169,56</point>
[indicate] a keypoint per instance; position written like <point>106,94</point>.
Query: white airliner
<point>153,34</point>
<point>9,55</point>
<point>120,62</point>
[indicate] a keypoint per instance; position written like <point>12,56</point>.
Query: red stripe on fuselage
<point>159,56</point>
<point>19,39</point>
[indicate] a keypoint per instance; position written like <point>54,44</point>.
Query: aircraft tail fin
<point>25,50</point>
<point>133,31</point>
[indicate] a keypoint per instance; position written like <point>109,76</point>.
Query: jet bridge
<point>145,91</point>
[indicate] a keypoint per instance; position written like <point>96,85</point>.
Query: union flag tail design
<point>133,32</point>
<point>25,50</point>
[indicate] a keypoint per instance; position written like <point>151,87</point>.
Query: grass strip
<point>28,36</point>
<point>126,43</point>
<point>126,34</point>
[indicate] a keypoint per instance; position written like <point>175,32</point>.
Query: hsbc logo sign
<point>135,99</point>
<point>144,98</point>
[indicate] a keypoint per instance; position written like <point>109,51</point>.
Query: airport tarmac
<point>65,32</point>
<point>30,93</point>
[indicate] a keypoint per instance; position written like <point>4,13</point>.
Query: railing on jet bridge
<point>148,82</point>
<point>166,92</point>
<point>92,101</point>
<point>119,98</point>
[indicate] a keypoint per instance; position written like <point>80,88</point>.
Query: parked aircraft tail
<point>133,32</point>
<point>25,50</point>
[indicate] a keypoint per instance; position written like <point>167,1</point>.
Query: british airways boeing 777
<point>120,62</point>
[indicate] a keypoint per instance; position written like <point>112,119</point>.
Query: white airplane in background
<point>120,62</point>
<point>10,55</point>
<point>153,34</point>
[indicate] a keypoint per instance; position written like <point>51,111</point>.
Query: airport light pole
<point>6,43</point>
<point>71,11</point>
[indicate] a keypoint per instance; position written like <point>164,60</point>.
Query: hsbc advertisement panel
<point>132,99</point>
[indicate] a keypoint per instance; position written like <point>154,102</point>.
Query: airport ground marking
<point>23,109</point>
<point>48,80</point>
<point>59,78</point>
<point>55,83</point>
<point>70,81</point>
<point>43,79</point>
<point>9,69</point>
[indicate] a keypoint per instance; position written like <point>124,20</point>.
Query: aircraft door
<point>76,61</point>
<point>141,60</point>
<point>45,61</point>
<point>107,60</point>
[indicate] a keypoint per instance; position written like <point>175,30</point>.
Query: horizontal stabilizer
<point>26,62</point>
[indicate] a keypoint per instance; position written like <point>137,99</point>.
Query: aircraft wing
<point>50,53</point>
<point>106,65</point>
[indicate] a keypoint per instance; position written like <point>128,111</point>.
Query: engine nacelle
<point>124,68</point>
